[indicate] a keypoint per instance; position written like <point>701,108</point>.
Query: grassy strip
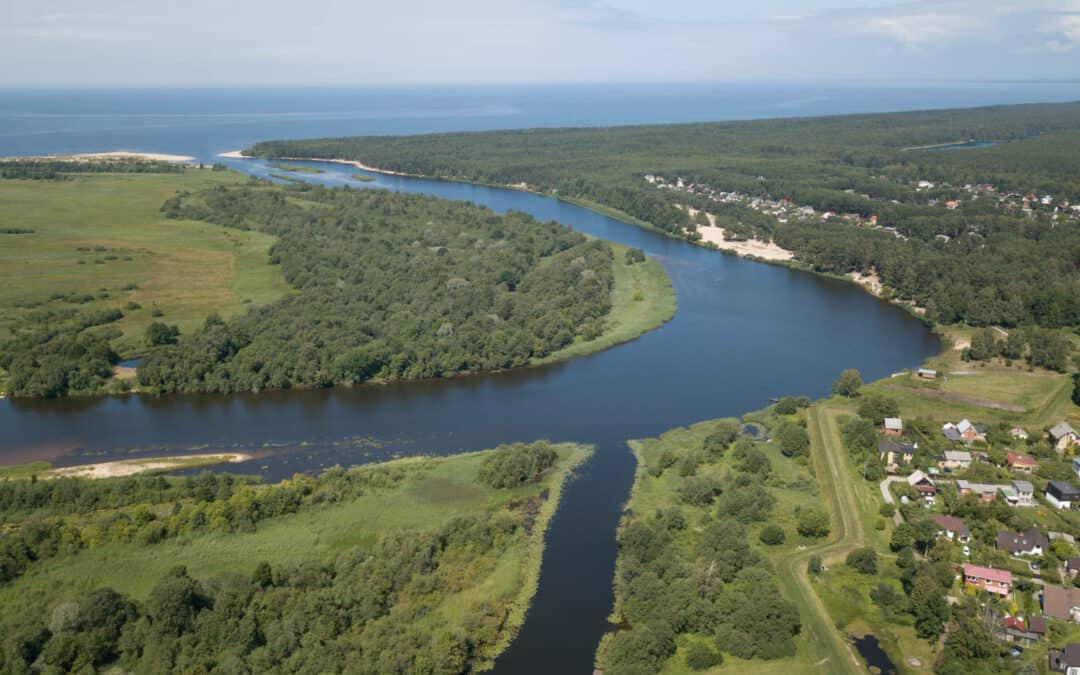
<point>361,178</point>
<point>629,318</point>
<point>23,471</point>
<point>571,457</point>
<point>297,168</point>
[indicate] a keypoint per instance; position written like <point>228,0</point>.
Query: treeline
<point>371,609</point>
<point>714,583</point>
<point>58,169</point>
<point>389,286</point>
<point>995,268</point>
<point>60,352</point>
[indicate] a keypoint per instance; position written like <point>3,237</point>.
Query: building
<point>1017,631</point>
<point>984,491</point>
<point>1017,432</point>
<point>893,426</point>
<point>1021,463</point>
<point>1061,602</point>
<point>1062,495</point>
<point>988,579</point>
<point>923,485</point>
<point>1063,436</point>
<point>964,431</point>
<point>1021,494</point>
<point>1076,465</point>
<point>954,460</point>
<point>894,454</point>
<point>953,528</point>
<point>1065,660</point>
<point>1031,542</point>
<point>927,374</point>
<point>1072,566</point>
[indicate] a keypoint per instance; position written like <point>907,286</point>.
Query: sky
<point>221,42</point>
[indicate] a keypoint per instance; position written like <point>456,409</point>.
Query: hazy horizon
<point>116,43</point>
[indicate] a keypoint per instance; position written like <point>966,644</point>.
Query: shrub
<point>772,535</point>
<point>812,523</point>
<point>698,490</point>
<point>519,464</point>
<point>863,560</point>
<point>701,657</point>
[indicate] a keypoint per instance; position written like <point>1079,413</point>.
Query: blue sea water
<point>204,122</point>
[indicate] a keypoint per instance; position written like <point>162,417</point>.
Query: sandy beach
<point>112,154</point>
<point>129,467</point>
<point>750,247</point>
<point>236,154</point>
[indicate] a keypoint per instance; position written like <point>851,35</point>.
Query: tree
<point>929,606</point>
<point>848,384</point>
<point>794,441</point>
<point>811,522</point>
<point>1049,349</point>
<point>863,560</point>
<point>723,435</point>
<point>1014,345</point>
<point>698,490</point>
<point>902,537</point>
<point>772,535</point>
<point>814,566</point>
<point>701,657</point>
<point>159,333</point>
<point>1076,389</point>
<point>984,345</point>
<point>876,408</point>
<point>786,406</point>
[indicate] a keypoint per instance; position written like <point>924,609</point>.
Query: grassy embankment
<point>435,491</point>
<point>642,300</point>
<point>104,234</point>
<point>296,168</point>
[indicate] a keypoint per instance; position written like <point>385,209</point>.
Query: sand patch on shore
<point>112,154</point>
<point>749,247</point>
<point>237,154</point>
<point>868,280</point>
<point>129,467</point>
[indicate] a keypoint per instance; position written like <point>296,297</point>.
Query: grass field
<point>437,490</point>
<point>100,234</point>
<point>642,300</point>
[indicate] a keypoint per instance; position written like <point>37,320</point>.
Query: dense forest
<point>374,608</point>
<point>978,261</point>
<point>389,286</point>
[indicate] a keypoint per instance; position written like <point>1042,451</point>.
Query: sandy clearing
<point>112,154</point>
<point>129,467</point>
<point>751,247</point>
<point>868,280</point>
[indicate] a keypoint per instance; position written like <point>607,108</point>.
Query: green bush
<point>701,657</point>
<point>772,535</point>
<point>511,466</point>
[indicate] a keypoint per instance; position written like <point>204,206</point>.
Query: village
<point>931,194</point>
<point>999,501</point>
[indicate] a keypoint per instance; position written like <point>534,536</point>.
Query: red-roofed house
<point>988,579</point>
<point>1021,463</point>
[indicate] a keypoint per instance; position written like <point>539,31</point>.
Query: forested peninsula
<point>421,565</point>
<point>969,215</point>
<point>368,285</point>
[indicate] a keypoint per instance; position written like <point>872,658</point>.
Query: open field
<point>642,300</point>
<point>103,235</point>
<point>433,493</point>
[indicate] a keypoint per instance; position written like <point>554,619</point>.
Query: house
<point>953,528</point>
<point>926,374</point>
<point>1017,432</point>
<point>1072,566</point>
<point>1065,660</point>
<point>1031,542</point>
<point>954,460</point>
<point>1021,463</point>
<point>1061,602</point>
<point>988,579</point>
<point>1017,631</point>
<point>1021,494</point>
<point>1063,436</point>
<point>923,485</point>
<point>1061,494</point>
<point>894,454</point>
<point>1037,626</point>
<point>1076,465</point>
<point>983,491</point>
<point>964,431</point>
<point>893,426</point>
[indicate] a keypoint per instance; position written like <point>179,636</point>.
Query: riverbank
<point>461,558</point>
<point>130,467</point>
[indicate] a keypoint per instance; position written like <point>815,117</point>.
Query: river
<point>744,332</point>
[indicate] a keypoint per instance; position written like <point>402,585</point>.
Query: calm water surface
<point>744,332</point>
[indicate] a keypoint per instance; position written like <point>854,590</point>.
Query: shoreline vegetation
<point>433,560</point>
<point>641,297</point>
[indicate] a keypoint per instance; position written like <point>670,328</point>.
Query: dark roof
<point>953,524</point>
<point>1063,490</point>
<point>889,445</point>
<point>1073,563</point>
<point>1024,541</point>
<point>1037,624</point>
